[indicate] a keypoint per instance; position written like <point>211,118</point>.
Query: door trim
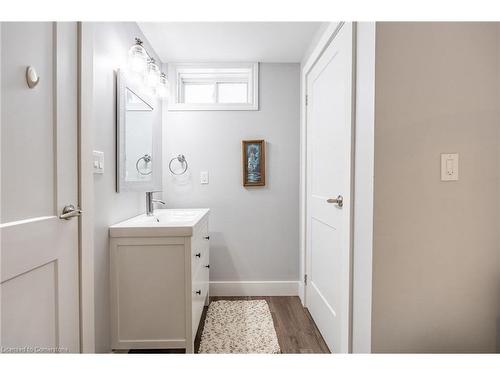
<point>86,185</point>
<point>327,38</point>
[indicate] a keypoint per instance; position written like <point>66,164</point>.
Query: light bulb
<point>137,57</point>
<point>162,88</point>
<point>153,74</point>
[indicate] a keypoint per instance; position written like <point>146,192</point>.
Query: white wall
<point>254,232</point>
<point>111,44</point>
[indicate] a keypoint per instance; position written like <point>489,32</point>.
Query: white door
<point>39,177</point>
<point>329,112</point>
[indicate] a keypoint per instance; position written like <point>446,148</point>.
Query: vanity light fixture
<point>153,74</point>
<point>162,88</point>
<point>138,57</point>
<point>141,63</point>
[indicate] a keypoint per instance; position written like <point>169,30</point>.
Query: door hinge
<point>307,99</point>
<point>305,279</point>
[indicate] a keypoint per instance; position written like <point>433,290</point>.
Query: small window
<point>206,86</point>
<point>199,93</point>
<point>232,92</point>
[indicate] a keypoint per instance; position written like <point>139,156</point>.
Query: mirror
<point>138,137</point>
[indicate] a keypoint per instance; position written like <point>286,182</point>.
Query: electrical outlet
<point>449,167</point>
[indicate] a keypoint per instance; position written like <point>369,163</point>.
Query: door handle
<point>339,200</point>
<point>70,211</point>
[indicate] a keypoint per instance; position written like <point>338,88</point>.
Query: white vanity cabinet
<point>159,279</point>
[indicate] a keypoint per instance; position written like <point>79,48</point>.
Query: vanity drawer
<point>201,229</point>
<point>200,247</point>
<point>200,292</point>
<point>199,260</point>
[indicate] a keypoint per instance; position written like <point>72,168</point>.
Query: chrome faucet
<point>150,202</point>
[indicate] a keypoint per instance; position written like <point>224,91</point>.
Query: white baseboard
<point>254,288</point>
<point>302,292</point>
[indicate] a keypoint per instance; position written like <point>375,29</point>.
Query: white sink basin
<point>164,222</point>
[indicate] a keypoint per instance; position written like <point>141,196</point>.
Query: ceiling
<point>230,41</point>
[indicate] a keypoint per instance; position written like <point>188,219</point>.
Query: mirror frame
<point>155,184</point>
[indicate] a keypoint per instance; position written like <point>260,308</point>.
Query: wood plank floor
<point>294,326</point>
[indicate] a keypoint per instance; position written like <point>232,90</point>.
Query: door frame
<point>86,184</point>
<point>326,39</point>
<point>364,50</point>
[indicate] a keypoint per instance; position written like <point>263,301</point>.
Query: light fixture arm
<point>139,42</point>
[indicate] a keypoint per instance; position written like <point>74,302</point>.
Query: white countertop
<point>164,223</point>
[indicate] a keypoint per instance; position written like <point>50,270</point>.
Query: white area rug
<point>239,327</point>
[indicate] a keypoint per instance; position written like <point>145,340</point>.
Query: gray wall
<point>436,284</point>
<point>111,44</point>
<point>254,232</point>
<point>315,40</point>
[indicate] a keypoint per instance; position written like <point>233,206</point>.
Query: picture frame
<point>254,162</point>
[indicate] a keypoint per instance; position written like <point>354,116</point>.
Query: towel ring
<point>147,159</point>
<point>181,159</point>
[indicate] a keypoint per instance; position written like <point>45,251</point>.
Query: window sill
<point>212,107</point>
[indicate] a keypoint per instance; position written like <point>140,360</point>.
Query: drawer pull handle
<point>207,266</point>
<point>198,292</point>
<point>207,237</point>
<point>198,255</point>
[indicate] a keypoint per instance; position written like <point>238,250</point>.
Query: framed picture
<point>254,163</point>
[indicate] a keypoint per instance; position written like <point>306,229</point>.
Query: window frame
<point>181,73</point>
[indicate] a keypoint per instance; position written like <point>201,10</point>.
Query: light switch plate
<point>449,167</point>
<point>98,162</point>
<point>204,177</point>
